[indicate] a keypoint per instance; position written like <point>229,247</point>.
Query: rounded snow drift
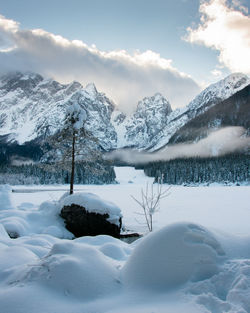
<point>76,270</point>
<point>5,197</point>
<point>172,256</point>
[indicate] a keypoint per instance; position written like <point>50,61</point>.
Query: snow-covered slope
<point>32,106</point>
<point>208,98</point>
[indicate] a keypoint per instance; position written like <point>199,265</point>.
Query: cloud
<point>224,141</point>
<point>122,76</point>
<point>217,73</point>
<point>225,28</point>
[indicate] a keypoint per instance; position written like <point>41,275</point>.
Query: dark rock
<point>83,223</point>
<point>129,238</point>
<point>13,234</point>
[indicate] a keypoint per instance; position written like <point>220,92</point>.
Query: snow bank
<point>85,273</point>
<point>3,232</point>
<point>93,204</point>
<point>78,270</point>
<point>27,220</point>
<point>5,197</point>
<point>70,269</point>
<point>172,256</point>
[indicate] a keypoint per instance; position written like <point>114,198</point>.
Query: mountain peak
<point>156,102</point>
<point>219,91</point>
<point>91,89</point>
<point>236,80</point>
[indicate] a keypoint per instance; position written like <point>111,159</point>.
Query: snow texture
<point>181,267</point>
<point>25,220</point>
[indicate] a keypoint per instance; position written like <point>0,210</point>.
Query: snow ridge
<point>209,97</point>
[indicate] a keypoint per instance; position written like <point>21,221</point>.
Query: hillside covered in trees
<point>96,173</point>
<point>234,168</point>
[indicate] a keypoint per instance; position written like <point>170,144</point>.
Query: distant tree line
<point>234,168</point>
<point>101,173</point>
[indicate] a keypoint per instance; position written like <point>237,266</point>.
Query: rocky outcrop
<point>139,129</point>
<point>83,223</point>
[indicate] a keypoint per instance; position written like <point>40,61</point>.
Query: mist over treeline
<point>227,140</point>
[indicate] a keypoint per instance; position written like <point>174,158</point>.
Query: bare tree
<point>150,200</point>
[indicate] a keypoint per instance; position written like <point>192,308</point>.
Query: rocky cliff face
<point>139,129</point>
<point>32,107</point>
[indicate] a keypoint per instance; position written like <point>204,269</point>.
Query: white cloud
<point>225,28</point>
<point>122,76</point>
<point>217,73</point>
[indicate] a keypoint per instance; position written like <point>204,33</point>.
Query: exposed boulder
<point>83,223</point>
<point>86,214</point>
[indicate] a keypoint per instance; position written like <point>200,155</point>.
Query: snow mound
<point>109,246</point>
<point>3,232</point>
<point>28,220</point>
<point>5,197</point>
<point>15,226</point>
<point>93,204</point>
<point>14,260</point>
<point>172,256</point>
<point>75,270</point>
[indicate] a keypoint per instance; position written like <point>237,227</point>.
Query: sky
<point>129,49</point>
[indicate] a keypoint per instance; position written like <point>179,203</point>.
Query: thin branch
<point>150,201</point>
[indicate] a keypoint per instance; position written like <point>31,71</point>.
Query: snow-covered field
<point>196,260</point>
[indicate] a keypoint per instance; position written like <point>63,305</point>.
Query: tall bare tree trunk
<point>72,164</point>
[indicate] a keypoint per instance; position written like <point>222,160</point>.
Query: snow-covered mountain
<point>211,97</point>
<point>139,129</point>
<point>233,111</point>
<point>32,108</point>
